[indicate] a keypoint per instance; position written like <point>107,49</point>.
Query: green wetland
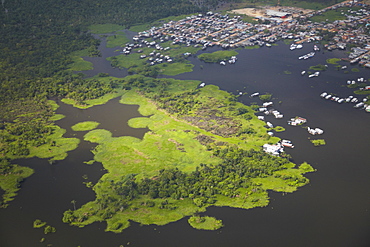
<point>143,142</point>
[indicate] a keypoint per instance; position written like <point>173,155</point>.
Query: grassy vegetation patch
<point>217,56</point>
<point>84,126</point>
<point>318,142</point>
<point>279,128</point>
<point>56,147</point>
<point>355,70</point>
<point>38,223</point>
<point>205,222</point>
<point>10,180</point>
<point>78,63</point>
<point>329,16</point>
<point>319,67</point>
<point>362,92</point>
<point>332,60</point>
<point>118,39</point>
<point>105,28</point>
<point>127,61</point>
<point>175,68</point>
<point>57,117</point>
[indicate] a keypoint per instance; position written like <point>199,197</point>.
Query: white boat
<point>255,94</point>
<point>323,94</point>
<point>359,105</point>
<point>267,104</point>
<point>303,72</point>
<point>287,143</point>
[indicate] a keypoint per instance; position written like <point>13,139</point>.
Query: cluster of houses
<point>226,31</point>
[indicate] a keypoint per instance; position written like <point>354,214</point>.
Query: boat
<point>287,143</point>
<point>269,125</point>
<point>255,94</point>
<point>323,94</point>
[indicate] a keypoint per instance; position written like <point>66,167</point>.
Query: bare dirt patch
<point>261,11</point>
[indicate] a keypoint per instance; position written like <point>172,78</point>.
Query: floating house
<point>297,121</point>
<point>273,149</point>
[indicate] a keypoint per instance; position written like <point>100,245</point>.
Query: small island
<point>85,126</point>
<point>205,223</point>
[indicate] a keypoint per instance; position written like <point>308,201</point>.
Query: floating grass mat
<point>85,126</point>
<point>117,39</point>
<point>162,178</point>
<point>10,179</point>
<point>318,142</point>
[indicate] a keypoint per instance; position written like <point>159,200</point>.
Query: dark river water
<point>332,210</point>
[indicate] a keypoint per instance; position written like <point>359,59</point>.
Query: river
<point>332,210</point>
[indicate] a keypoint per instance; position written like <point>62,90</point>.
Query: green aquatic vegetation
<point>49,229</point>
<point>287,72</point>
<point>318,142</point>
<point>85,126</point>
<point>38,223</point>
<point>78,63</point>
<point>279,128</point>
<point>10,178</point>
<point>362,92</point>
<point>205,222</point>
<point>265,97</point>
<point>117,39</point>
<point>174,68</point>
<point>318,67</point>
<point>217,56</point>
<point>355,70</point>
<point>127,61</point>
<point>191,158</point>
<point>57,117</point>
<point>333,60</point>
